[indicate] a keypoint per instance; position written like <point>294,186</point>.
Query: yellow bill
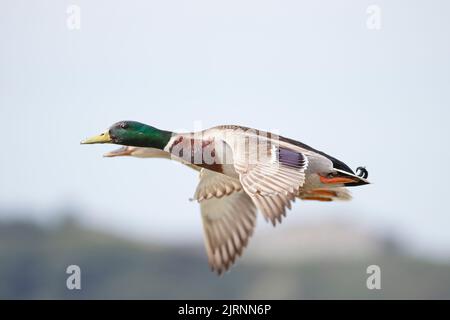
<point>102,138</point>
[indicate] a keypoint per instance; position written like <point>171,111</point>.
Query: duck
<point>242,171</point>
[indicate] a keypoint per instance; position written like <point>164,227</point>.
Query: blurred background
<point>365,81</point>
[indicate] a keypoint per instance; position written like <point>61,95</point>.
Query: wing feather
<point>229,218</point>
<point>216,185</point>
<point>227,228</point>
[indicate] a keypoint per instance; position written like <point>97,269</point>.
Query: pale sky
<point>310,70</point>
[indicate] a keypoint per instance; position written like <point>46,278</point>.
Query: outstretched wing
<point>280,171</point>
<point>213,184</point>
<point>270,173</point>
<point>229,218</point>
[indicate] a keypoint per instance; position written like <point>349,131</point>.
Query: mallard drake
<point>242,170</point>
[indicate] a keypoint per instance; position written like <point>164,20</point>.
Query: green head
<point>132,133</point>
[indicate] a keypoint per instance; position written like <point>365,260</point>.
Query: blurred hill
<point>318,261</point>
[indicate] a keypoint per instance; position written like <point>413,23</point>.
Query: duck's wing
<point>273,180</point>
<point>271,173</point>
<point>228,216</point>
<point>213,184</point>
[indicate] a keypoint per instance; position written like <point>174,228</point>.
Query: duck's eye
<point>124,125</point>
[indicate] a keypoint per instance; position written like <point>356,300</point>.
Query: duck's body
<point>241,170</point>
<point>313,189</point>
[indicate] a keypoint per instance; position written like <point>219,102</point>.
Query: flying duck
<point>242,171</point>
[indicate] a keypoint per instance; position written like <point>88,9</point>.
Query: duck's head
<point>132,133</point>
